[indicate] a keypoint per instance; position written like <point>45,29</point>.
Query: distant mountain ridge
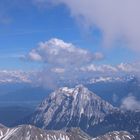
<point>30,77</point>
<point>110,88</point>
<point>115,89</point>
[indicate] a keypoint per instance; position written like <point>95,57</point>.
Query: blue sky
<point>27,25</point>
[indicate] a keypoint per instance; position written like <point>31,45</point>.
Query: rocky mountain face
<point>75,107</point>
<point>3,130</point>
<point>120,120</point>
<point>28,132</point>
<point>116,135</point>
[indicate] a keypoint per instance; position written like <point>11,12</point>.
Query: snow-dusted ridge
<point>111,79</point>
<point>70,107</point>
<point>116,135</point>
<point>15,76</point>
<point>28,132</point>
<point>19,76</point>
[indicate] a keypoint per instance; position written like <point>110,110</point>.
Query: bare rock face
<point>75,107</point>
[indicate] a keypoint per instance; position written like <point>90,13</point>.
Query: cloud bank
<point>64,63</point>
<point>131,103</point>
<point>117,20</point>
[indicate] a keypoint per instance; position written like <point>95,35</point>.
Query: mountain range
<point>113,89</point>
<point>79,107</point>
<point>74,112</point>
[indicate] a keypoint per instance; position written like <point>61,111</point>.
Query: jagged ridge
<point>28,132</point>
<point>75,107</point>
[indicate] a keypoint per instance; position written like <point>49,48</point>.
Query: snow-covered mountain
<point>75,107</point>
<point>28,132</point>
<point>79,107</point>
<point>116,135</point>
<point>110,79</point>
<point>23,132</point>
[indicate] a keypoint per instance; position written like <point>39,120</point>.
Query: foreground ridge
<point>28,132</point>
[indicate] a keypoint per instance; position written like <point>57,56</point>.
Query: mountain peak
<point>69,107</point>
<point>81,89</point>
<point>73,92</point>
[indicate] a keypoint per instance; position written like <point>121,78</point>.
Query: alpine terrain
<point>75,107</point>
<point>79,107</point>
<point>76,114</point>
<point>28,132</point>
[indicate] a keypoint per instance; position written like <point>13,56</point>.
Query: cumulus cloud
<point>59,53</point>
<point>62,61</point>
<point>33,55</point>
<point>130,103</point>
<point>117,20</point>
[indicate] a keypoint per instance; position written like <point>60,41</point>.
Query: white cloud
<point>61,61</point>
<point>117,19</point>
<point>128,67</point>
<point>130,103</point>
<point>35,56</point>
<point>58,52</point>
